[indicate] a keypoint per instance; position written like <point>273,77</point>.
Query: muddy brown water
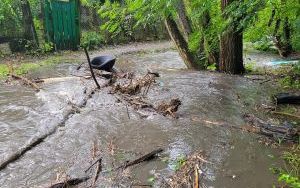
<point>237,159</point>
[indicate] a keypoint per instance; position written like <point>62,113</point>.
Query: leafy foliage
<point>264,17</point>
<point>91,40</point>
<point>290,175</point>
<point>10,21</point>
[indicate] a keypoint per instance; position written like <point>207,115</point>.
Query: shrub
<point>91,40</point>
<point>47,47</point>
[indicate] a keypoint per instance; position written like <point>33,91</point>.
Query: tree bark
<point>29,29</point>
<point>181,45</point>
<point>231,47</point>
<point>212,54</point>
<point>283,43</point>
<point>183,18</point>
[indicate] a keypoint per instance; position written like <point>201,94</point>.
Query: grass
<point>292,78</point>
<point>290,175</point>
<point>3,70</point>
<point>24,68</point>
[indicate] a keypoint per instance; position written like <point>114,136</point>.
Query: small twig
<point>146,157</point>
<point>203,160</point>
<point>286,114</point>
<point>196,181</point>
<point>98,170</point>
<point>141,185</point>
<point>70,182</point>
<point>127,111</point>
<point>99,159</point>
<point>268,80</point>
<point>79,66</point>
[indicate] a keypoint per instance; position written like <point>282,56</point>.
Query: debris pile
<point>190,174</point>
<point>276,132</point>
<point>135,86</point>
<point>169,108</point>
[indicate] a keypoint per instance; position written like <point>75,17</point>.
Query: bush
<point>47,47</point>
<point>22,45</point>
<point>91,40</point>
<point>263,45</point>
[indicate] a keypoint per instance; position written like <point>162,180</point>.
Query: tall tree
<point>153,11</point>
<point>231,46</point>
<point>180,43</point>
<point>183,18</point>
<point>29,29</point>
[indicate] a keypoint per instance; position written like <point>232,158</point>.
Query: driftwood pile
<point>276,132</point>
<point>135,86</point>
<point>133,90</point>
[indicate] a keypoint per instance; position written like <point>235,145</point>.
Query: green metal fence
<point>62,25</point>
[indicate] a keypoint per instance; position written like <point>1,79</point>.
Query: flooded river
<point>208,99</point>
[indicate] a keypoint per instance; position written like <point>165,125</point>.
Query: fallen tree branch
<point>97,172</point>
<point>286,133</point>
<point>99,159</point>
<point>70,182</point>
<point>25,81</point>
<point>286,114</point>
<point>91,69</point>
<point>144,158</point>
<point>60,79</point>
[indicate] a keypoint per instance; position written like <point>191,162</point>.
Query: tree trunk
<point>183,18</point>
<point>181,45</point>
<point>283,43</point>
<point>231,48</point>
<point>29,29</point>
<point>211,53</point>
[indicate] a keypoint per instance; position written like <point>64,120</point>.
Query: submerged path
<point>208,100</point>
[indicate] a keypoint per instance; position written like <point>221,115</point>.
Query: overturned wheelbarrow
<point>105,63</point>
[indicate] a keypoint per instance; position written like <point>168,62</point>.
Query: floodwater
<point>208,99</point>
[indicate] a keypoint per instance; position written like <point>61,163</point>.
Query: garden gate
<point>61,19</point>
